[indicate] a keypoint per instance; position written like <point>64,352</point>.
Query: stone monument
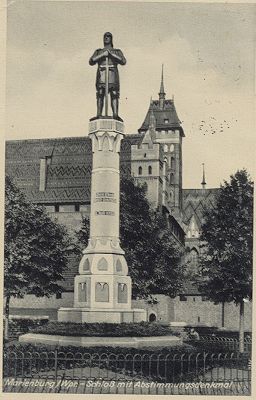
<point>102,290</point>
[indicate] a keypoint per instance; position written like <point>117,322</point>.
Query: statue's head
<point>108,39</point>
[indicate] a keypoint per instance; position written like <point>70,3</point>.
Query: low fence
<point>229,343</point>
<point>149,373</point>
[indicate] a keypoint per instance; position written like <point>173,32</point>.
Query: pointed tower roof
<point>162,92</point>
<point>203,183</point>
<point>164,112</point>
<point>149,136</point>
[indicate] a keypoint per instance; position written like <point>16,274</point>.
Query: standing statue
<point>107,79</point>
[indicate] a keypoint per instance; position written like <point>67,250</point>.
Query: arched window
<point>150,170</point>
<point>172,162</point>
<point>140,170</point>
<point>165,148</point>
<point>171,178</point>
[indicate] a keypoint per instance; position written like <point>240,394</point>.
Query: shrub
<point>21,325</point>
<point>218,332</point>
<point>104,329</point>
<point>202,330</point>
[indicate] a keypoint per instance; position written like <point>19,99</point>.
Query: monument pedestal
<point>102,290</point>
<point>90,315</point>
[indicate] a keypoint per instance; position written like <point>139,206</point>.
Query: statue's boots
<point>114,105</point>
<point>100,103</point>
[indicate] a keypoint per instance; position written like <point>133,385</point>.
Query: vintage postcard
<point>128,213</point>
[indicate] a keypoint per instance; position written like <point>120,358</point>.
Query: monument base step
<point>82,341</point>
<point>80,315</point>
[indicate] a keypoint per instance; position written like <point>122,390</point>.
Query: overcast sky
<point>208,51</point>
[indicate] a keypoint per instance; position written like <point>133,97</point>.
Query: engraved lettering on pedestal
<point>105,197</point>
<point>122,295</point>
<point>109,213</point>
<point>82,292</point>
<point>102,264</point>
<point>102,292</point>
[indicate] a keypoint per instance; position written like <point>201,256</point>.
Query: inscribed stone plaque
<point>106,197</point>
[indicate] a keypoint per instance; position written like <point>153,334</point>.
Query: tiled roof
<point>68,171</point>
<point>195,202</point>
<point>165,118</point>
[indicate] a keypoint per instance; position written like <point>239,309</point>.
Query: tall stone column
<point>102,290</point>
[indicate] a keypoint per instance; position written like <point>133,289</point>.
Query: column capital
<point>106,125</point>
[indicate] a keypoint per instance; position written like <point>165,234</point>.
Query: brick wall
<point>163,309</point>
<point>52,302</point>
<point>231,312</point>
<point>195,311</point>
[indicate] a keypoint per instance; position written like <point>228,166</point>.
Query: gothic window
<point>150,170</point>
<point>140,171</point>
<point>193,228</point>
<point>171,178</point>
<point>172,162</point>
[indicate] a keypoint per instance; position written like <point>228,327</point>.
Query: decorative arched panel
<point>82,292</point>
<point>102,264</point>
<point>122,296</point>
<point>101,292</point>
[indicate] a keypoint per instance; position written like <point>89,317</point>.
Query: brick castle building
<point>57,174</point>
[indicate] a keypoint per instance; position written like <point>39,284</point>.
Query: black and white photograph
<point>129,152</point>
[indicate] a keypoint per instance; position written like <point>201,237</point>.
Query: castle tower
<point>168,133</point>
<point>147,162</point>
